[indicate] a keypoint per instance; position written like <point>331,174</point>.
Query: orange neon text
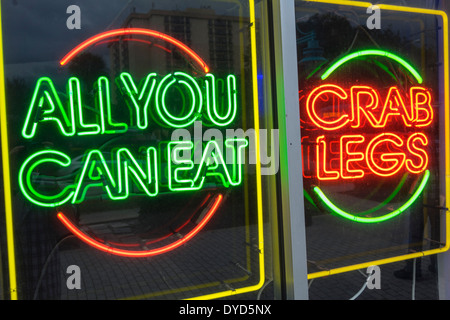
<point>362,105</point>
<point>354,156</point>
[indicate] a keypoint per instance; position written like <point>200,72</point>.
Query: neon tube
<point>345,2</point>
<point>382,53</point>
<point>134,31</point>
<point>391,215</point>
<point>140,254</point>
<point>6,177</point>
<point>259,204</point>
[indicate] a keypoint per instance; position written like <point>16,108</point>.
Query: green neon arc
<point>382,53</point>
<point>356,218</point>
<point>388,199</point>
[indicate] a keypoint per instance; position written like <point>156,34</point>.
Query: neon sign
<point>47,106</point>
<point>365,101</point>
<point>96,173</point>
<point>117,166</point>
<point>148,169</point>
<point>382,155</point>
<point>360,131</point>
<point>405,75</point>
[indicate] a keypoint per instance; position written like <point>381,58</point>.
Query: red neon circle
<point>74,229</point>
<point>144,253</point>
<point>134,31</point>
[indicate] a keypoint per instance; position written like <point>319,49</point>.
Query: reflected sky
<point>35,31</point>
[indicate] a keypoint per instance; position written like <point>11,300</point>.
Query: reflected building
<point>215,38</point>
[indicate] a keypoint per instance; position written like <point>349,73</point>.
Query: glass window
<point>132,128</point>
<point>372,91</point>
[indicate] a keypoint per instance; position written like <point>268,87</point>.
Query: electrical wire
<point>44,268</point>
<point>359,292</point>
<point>362,288</point>
<point>258,297</point>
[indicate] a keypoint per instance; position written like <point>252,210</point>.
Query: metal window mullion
<point>291,179</point>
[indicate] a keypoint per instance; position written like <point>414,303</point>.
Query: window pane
<point>371,98</point>
<point>131,129</point>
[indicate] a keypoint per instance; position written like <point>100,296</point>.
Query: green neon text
<point>176,100</point>
<point>121,173</point>
<point>212,165</point>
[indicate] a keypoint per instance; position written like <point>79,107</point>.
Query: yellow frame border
<point>447,135</point>
<point>7,178</point>
<point>254,77</point>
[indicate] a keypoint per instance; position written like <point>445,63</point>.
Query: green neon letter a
<point>95,173</point>
<point>213,163</point>
<point>46,106</point>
